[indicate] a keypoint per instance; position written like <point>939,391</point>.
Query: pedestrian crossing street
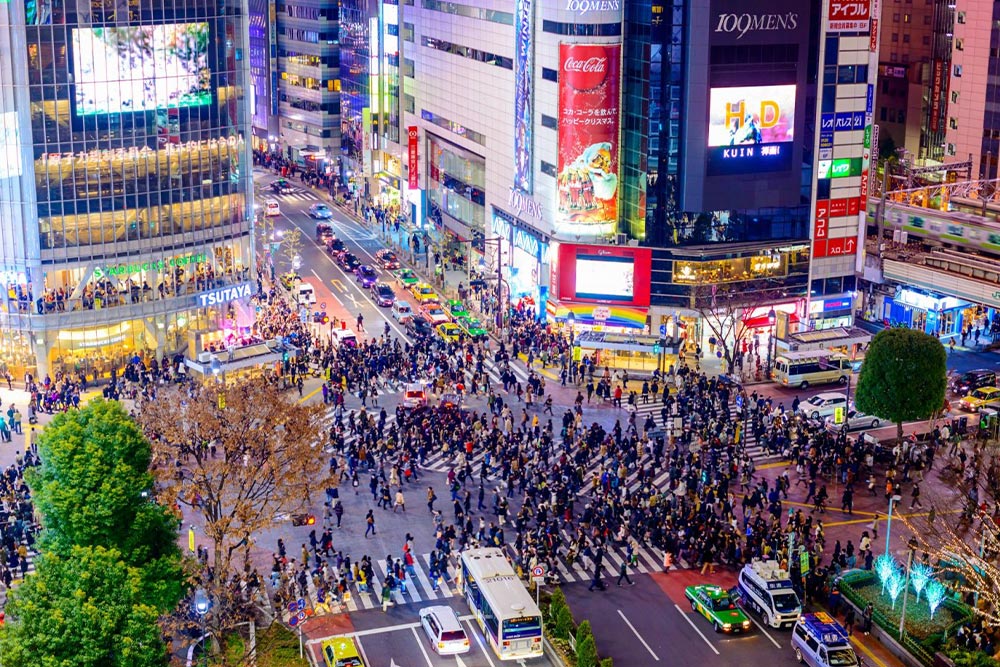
<point>419,589</point>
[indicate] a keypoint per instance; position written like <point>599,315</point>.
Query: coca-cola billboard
<point>589,92</point>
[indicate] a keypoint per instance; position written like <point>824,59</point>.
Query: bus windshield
<point>527,626</point>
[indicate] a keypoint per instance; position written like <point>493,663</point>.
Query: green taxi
<point>472,326</point>
<point>407,277</point>
<point>456,309</point>
<point>714,603</point>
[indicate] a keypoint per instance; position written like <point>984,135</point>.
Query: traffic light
<point>284,357</point>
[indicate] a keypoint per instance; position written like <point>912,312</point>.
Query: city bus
<point>803,369</point>
<point>500,603</point>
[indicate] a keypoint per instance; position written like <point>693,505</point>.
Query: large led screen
<point>141,68</point>
<point>605,278</point>
<point>751,129</point>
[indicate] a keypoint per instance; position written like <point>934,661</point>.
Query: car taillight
<point>465,642</point>
<point>506,643</point>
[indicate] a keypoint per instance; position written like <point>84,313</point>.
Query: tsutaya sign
<point>224,295</point>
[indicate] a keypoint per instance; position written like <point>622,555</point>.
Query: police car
<point>767,589</point>
<point>820,641</point>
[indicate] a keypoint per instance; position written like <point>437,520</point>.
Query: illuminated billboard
<point>603,274</point>
<point>751,129</point>
<point>589,100</point>
<point>141,68</point>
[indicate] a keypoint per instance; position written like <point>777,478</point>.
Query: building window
<point>953,122</point>
<point>582,30</point>
<point>408,67</point>
<point>906,38</point>
<point>960,18</point>
<point>927,40</point>
<point>468,52</point>
<point>549,122</point>
<point>895,37</point>
<point>550,74</point>
<point>882,114</point>
<point>548,169</point>
<point>451,126</point>
<point>954,97</point>
<point>895,17</point>
<point>906,18</point>
<point>408,105</point>
<point>958,70</point>
<point>470,12</point>
<point>927,19</point>
<point>959,44</point>
<point>408,31</point>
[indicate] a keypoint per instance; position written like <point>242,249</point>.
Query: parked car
<point>320,211</point>
<point>823,405</point>
<point>383,295</point>
<point>366,275</point>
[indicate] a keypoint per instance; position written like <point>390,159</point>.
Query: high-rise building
<point>308,36</point>
<point>263,47</point>
<point>125,196</point>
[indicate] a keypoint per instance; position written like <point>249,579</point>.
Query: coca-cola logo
<point>586,67</point>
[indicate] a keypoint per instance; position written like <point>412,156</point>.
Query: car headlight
<point>746,624</point>
<point>727,625</point>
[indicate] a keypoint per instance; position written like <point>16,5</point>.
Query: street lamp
<point>894,498</point>
<point>912,544</point>
<point>772,319</point>
<point>202,603</point>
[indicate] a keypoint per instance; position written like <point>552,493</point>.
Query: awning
<point>764,323</point>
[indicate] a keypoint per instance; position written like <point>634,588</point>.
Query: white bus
<point>500,603</point>
<point>802,369</point>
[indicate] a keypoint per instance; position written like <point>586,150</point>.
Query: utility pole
<point>500,312</point>
<point>880,214</point>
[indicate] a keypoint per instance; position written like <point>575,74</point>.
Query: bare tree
<point>243,456</point>
<point>291,244</point>
<point>725,309</point>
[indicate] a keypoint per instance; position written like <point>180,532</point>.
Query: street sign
<point>538,571</point>
<point>301,616</point>
<point>838,415</point>
<point>300,604</point>
<point>191,539</point>
<point>804,562</point>
<point>663,329</point>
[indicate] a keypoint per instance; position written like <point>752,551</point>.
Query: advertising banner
<point>936,92</point>
<point>604,274</point>
<point>589,100</point>
<point>366,140</point>
<point>848,16</point>
<point>524,16</point>
<point>751,129</point>
<point>411,143</point>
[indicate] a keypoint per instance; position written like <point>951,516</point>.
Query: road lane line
<point>696,629</point>
<point>638,636</point>
<point>761,628</point>
<point>364,656</point>
<point>423,650</point>
<point>479,640</point>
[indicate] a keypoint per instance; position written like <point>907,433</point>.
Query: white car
<point>320,211</point>
<point>854,420</point>
<point>444,630</point>
<point>272,208</point>
<point>823,405</point>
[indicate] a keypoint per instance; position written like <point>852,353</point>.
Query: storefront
<point>635,353</point>
<point>931,313</point>
<point>524,252</point>
<point>831,313</point>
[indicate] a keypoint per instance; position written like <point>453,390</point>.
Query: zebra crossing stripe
<point>397,591</point>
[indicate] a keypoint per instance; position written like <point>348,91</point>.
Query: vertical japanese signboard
<point>411,164</point>
<point>523,65</point>
<point>589,112</point>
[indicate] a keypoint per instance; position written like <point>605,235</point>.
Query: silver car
<point>855,420</point>
<point>823,405</point>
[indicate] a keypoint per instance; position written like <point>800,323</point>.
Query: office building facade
<point>125,193</point>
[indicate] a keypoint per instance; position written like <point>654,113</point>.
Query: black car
<point>970,380</point>
<point>281,187</point>
<point>383,295</point>
<point>349,261</point>
<point>336,247</point>
<point>419,326</point>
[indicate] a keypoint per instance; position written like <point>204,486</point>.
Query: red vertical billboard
<point>411,136</point>
<point>589,111</point>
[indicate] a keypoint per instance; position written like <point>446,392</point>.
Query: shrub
<point>562,624</point>
<point>586,650</point>
<point>607,662</point>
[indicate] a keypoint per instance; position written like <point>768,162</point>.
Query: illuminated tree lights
<point>920,575</point>
<point>885,568</point>
<point>895,586</point>
<point>936,593</point>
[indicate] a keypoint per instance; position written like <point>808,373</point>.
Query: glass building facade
<point>355,52</point>
<point>125,194</point>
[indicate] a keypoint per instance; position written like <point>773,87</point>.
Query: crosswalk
<point>298,195</point>
<point>418,588</point>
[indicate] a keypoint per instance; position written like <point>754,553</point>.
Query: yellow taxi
<point>341,652</point>
<point>980,398</point>
<point>449,331</point>
<point>424,293</point>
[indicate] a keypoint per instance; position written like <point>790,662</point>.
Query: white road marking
<point>761,627</point>
<point>423,650</point>
<point>361,647</point>
<point>638,636</point>
<point>479,639</point>
<point>695,627</point>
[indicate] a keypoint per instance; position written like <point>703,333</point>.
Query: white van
<point>804,369</point>
<point>444,630</point>
<point>767,589</point>
<point>345,337</point>
<point>305,294</point>
<point>414,396</point>
<point>401,312</point>
<point>820,641</point>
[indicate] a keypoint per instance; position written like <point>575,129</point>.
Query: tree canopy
<point>94,489</point>
<point>85,608</point>
<point>903,377</point>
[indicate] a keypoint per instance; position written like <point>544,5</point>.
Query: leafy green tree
<point>563,623</point>
<point>586,651</point>
<point>85,608</point>
<point>607,662</point>
<point>93,489</point>
<point>903,377</point>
